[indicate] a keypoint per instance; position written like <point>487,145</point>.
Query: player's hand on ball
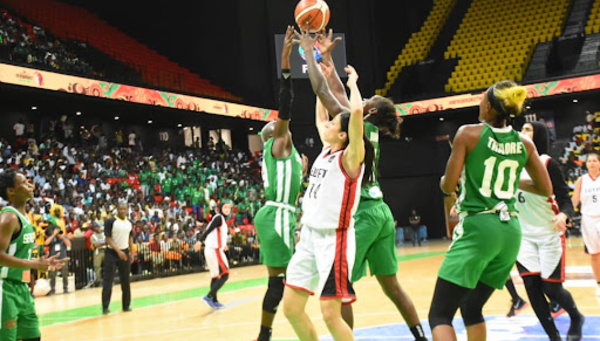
<point>305,39</point>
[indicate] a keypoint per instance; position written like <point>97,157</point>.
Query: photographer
<point>58,242</point>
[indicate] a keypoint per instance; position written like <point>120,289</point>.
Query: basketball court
<point>172,308</point>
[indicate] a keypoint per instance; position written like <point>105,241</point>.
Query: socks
<point>418,332</point>
<point>265,334</point>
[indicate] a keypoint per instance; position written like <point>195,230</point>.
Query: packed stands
<point>75,23</point>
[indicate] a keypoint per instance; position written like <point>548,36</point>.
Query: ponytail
<point>508,99</point>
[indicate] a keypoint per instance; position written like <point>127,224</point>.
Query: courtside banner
<point>558,87</point>
<point>46,80</point>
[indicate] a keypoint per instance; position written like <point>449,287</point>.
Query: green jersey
<point>21,247</point>
<point>198,196</point>
<point>492,170</point>
<point>282,177</point>
<point>372,190</point>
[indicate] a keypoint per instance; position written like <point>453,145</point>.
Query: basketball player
<point>17,240</point>
<point>587,192</point>
<point>541,258</point>
<point>282,171</point>
<point>215,245</point>
<point>488,235</point>
<point>374,222</point>
<point>322,263</point>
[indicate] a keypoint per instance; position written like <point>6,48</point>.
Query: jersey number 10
<point>499,184</point>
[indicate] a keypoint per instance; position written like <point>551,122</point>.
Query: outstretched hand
<point>305,39</point>
<point>288,41</point>
<point>326,44</point>
<point>352,75</point>
<point>53,263</point>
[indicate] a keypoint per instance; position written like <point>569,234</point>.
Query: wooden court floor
<point>172,308</point>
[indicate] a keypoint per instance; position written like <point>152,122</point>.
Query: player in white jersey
<point>215,245</point>
<point>587,192</point>
<point>541,258</point>
<point>322,263</point>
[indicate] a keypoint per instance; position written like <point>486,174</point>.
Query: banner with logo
<point>46,80</point>
<point>559,87</point>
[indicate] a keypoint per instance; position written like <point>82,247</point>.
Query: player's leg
<point>276,253</point>
<point>9,311</point>
<point>27,324</point>
<point>590,230</point>
<point>518,304</point>
<point>294,309</point>
<point>447,298</point>
<point>471,311</point>
<point>124,267</point>
<point>271,301</point>
<point>393,290</point>
<point>552,258</point>
<point>332,315</point>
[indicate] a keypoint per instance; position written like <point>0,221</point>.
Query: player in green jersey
<point>488,235</point>
<point>374,222</point>
<point>282,171</point>
<point>18,320</point>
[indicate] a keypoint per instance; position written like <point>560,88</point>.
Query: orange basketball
<point>314,13</point>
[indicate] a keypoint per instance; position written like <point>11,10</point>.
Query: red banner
<point>563,86</point>
<point>90,87</point>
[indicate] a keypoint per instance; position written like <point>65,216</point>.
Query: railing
<point>151,261</point>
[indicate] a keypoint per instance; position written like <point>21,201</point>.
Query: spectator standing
<point>57,243</point>
<point>119,239</point>
<point>99,242</point>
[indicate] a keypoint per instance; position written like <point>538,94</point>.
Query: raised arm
<point>326,45</point>
<point>354,154</point>
<point>321,119</point>
<point>282,143</point>
<point>317,79</point>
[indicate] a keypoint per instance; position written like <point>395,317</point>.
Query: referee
<point>119,239</point>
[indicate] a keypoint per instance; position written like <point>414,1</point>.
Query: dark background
<point>231,43</point>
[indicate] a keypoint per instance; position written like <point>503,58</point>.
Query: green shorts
<point>275,229</point>
<point>484,250</point>
<point>18,317</point>
<point>375,233</point>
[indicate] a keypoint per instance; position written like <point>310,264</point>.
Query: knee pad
<point>471,309</point>
<point>446,300</point>
<point>273,295</point>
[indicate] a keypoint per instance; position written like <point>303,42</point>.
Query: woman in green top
<point>488,235</point>
<point>17,240</point>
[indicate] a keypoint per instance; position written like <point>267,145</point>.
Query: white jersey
<point>590,196</point>
<point>217,238</point>
<point>536,211</point>
<point>332,196</point>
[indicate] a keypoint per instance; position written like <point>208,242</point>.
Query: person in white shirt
<point>587,192</point>
<point>119,239</point>
<point>215,245</point>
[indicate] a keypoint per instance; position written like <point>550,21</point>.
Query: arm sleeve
<point>286,95</point>
<point>108,225</point>
<point>216,222</point>
<point>561,189</point>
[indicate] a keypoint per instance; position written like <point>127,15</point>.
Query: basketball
<point>314,13</point>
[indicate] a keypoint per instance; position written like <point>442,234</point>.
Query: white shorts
<point>216,261</point>
<point>322,264</point>
<point>590,229</point>
<point>544,256</point>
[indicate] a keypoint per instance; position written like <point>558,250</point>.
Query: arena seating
<point>70,22</point>
<point>593,23</point>
<point>507,32</point>
<point>420,43</point>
